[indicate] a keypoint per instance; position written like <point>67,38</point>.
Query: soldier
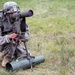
<point>7,33</point>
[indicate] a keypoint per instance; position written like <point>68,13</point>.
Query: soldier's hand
<point>13,36</point>
<point>26,36</point>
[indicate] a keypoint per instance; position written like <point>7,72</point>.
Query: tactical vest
<point>13,27</point>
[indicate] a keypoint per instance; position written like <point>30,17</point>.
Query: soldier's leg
<point>5,61</point>
<point>6,54</point>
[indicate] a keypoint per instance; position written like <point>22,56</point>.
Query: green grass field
<point>52,34</point>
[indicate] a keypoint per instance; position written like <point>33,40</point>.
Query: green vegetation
<point>52,34</point>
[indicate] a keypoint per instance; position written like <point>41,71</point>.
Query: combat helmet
<point>10,7</point>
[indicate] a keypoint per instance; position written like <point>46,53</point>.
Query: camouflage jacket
<point>9,27</point>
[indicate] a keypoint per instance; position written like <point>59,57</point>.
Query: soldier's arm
<point>27,32</point>
<point>4,39</point>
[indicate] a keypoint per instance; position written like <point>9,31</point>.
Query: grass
<point>52,34</point>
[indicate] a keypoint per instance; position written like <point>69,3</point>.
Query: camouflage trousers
<point>13,54</point>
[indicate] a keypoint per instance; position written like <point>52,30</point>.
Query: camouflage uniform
<point>6,47</point>
<point>5,41</point>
